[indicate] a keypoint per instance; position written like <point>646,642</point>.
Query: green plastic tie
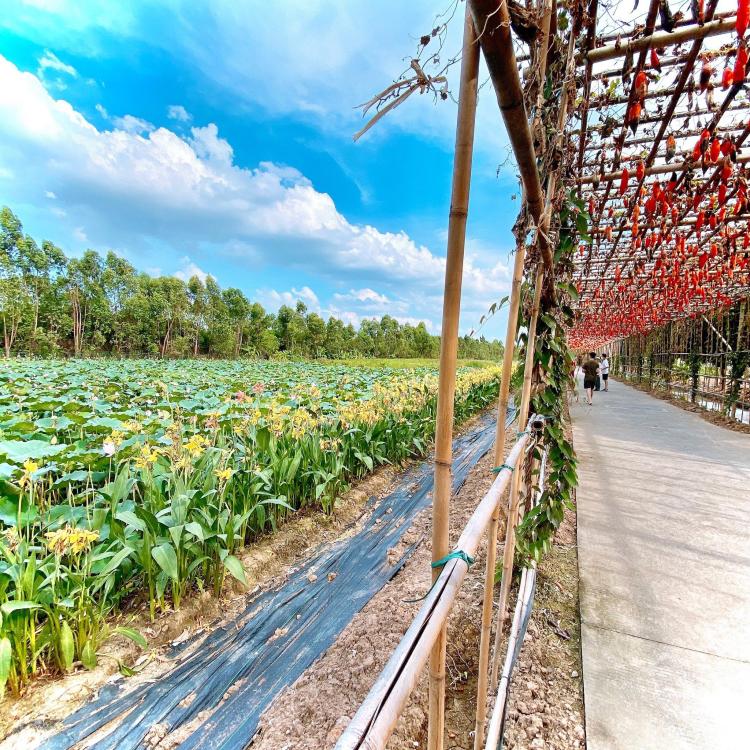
<point>498,469</point>
<point>458,554</point>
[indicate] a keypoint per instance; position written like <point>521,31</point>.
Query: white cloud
<point>102,110</point>
<point>49,194</point>
<point>178,112</point>
<point>273,299</point>
<point>190,269</point>
<point>131,124</point>
<point>50,61</point>
<point>133,186</point>
<point>364,295</point>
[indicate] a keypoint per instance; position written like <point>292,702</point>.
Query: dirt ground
<point>545,707</point>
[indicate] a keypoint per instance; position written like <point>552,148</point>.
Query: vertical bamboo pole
<point>499,456</point>
<point>510,531</point>
<point>499,453</point>
<point>448,351</point>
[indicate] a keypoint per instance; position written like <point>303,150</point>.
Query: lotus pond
<point>142,478</point>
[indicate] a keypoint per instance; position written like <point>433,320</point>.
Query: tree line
<point>101,305</point>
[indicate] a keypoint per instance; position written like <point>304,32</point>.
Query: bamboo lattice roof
<point>659,148</point>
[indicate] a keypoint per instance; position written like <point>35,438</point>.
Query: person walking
<point>604,367</point>
<point>576,376</point>
<point>590,371</point>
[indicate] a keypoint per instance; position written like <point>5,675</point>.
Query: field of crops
<point>123,478</point>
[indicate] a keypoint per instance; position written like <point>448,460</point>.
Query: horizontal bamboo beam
<point>659,40</point>
<point>679,166</point>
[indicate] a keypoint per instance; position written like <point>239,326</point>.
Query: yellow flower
<point>196,445</point>
<point>29,467</point>
<point>68,540</point>
<point>147,457</point>
<point>12,540</point>
<point>224,475</point>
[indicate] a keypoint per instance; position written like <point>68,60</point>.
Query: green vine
<point>738,363</point>
<point>695,368</point>
<point>553,363</point>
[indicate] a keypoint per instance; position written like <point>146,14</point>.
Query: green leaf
<point>133,635</point>
<point>66,647</point>
<point>130,519</point>
<point>8,608</point>
<point>166,559</point>
<point>6,653</point>
<point>19,451</point>
<point>115,561</point>
<point>88,654</point>
<point>234,566</point>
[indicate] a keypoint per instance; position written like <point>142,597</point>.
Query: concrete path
<point>664,555</point>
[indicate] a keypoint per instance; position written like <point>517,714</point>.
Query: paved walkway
<point>664,555</point>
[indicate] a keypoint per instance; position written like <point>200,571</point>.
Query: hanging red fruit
<point>705,78</point>
<point>726,78</point>
<point>671,147</point>
<point>624,181</point>
<point>740,63</point>
<point>640,170</point>
<point>655,62</point>
<point>743,17</point>
<point>634,116</point>
<point>641,84</point>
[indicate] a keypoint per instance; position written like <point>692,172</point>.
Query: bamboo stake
<point>510,530</point>
<point>448,352</point>
<point>499,455</point>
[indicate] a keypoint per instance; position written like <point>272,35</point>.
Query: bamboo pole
<point>659,169</point>
<point>448,352</point>
<point>377,715</point>
<point>499,454</point>
<point>664,39</point>
<point>492,21</point>
<point>510,531</point>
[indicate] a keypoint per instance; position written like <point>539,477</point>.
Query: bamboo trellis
<point>635,257</point>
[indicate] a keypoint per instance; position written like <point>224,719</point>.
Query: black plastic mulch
<point>235,670</point>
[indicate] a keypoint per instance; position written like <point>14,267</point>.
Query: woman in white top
<point>604,368</point>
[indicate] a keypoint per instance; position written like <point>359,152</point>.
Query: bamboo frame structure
<point>513,503</point>
<point>448,354</point>
<point>666,39</point>
<point>547,162</point>
<point>373,723</point>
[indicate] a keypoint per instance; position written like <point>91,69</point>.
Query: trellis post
<point>448,353</point>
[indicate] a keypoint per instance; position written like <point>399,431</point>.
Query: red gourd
<point>743,16</point>
<point>624,181</point>
<point>740,64</point>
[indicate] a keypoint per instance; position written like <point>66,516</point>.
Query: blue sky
<point>212,136</point>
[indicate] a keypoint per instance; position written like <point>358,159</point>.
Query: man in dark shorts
<point>590,371</point>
